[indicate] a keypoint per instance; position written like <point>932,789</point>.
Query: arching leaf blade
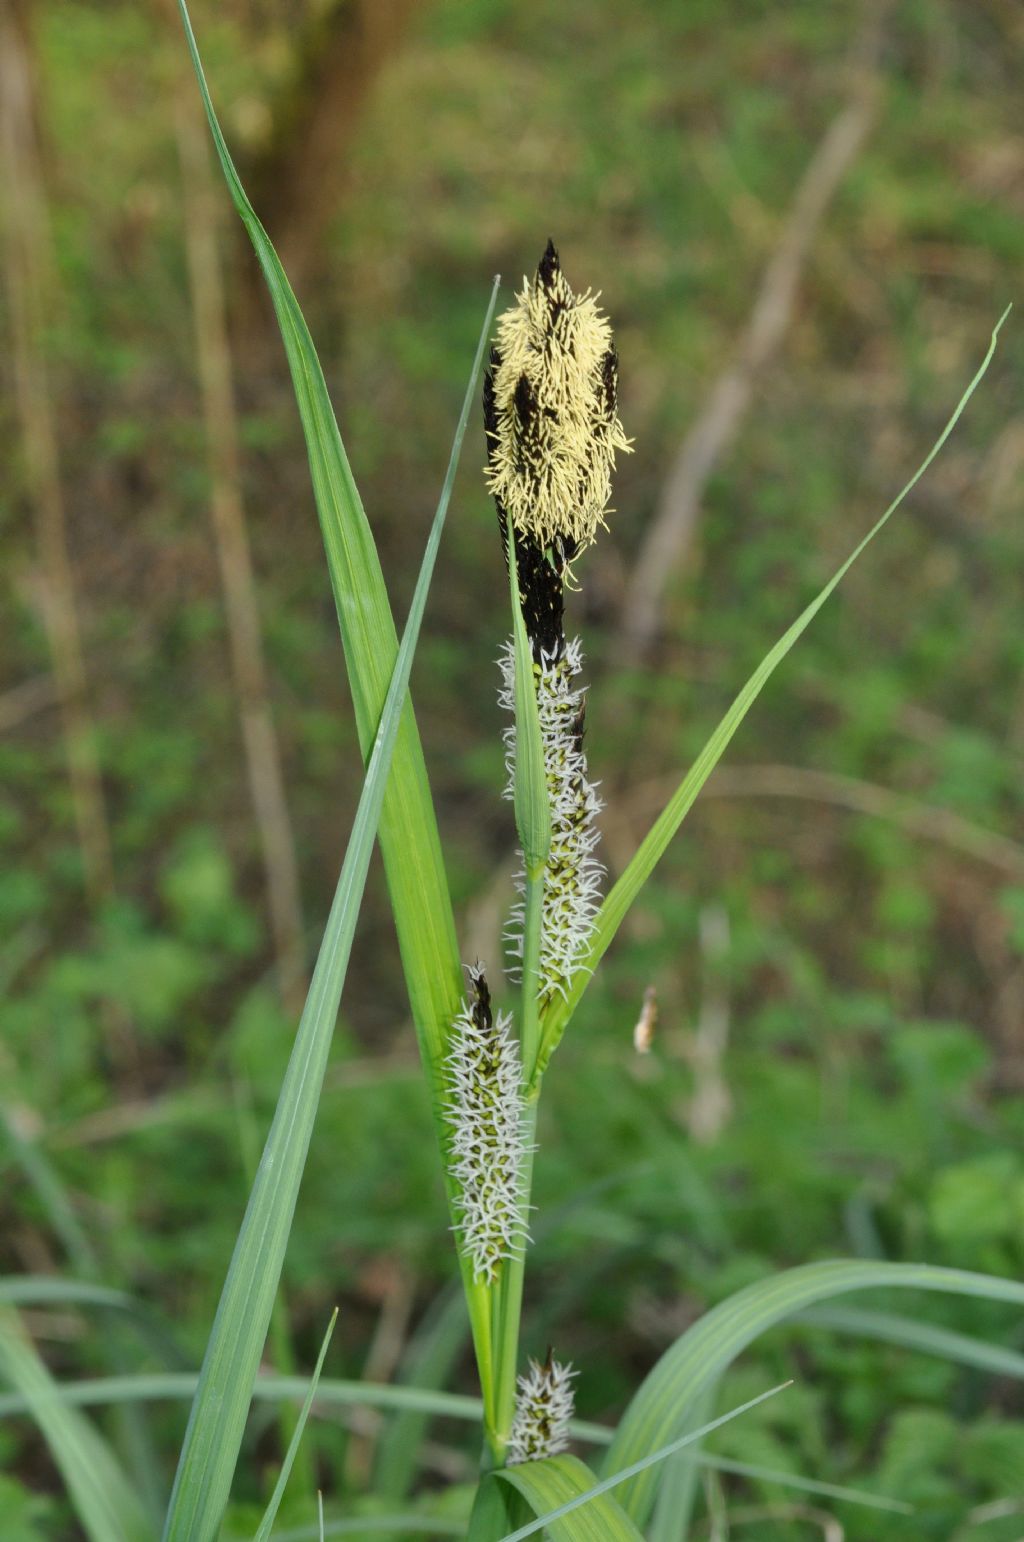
<point>408,832</point>
<point>619,900</point>
<point>662,1405</point>
<point>103,1500</point>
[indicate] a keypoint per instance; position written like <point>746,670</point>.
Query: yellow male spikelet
<point>552,414</point>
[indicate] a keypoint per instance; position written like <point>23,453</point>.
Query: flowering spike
<point>544,1409</point>
<point>487,1145</point>
<point>572,873</point>
<point>551,415</point>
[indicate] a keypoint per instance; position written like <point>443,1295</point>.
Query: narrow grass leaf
<point>397,1525</point>
<point>47,1290</point>
<point>420,1404</point>
<point>103,1501</point>
<point>408,827</point>
<point>929,1338</point>
<point>549,1485</point>
<point>178,1386</point>
<point>537,1481</point>
<point>677,1492</point>
<point>618,901</point>
<point>427,1364</point>
<point>270,1514</point>
<point>51,1193</point>
<point>220,1407</point>
<point>756,1474</point>
<point>663,1403</point>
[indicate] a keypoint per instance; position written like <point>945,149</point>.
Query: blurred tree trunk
<point>297,183</point>
<point>28,268</point>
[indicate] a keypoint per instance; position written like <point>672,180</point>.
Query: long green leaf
<point>412,1402</point>
<point>757,1474</point>
<point>411,1524</point>
<point>539,1482</point>
<point>217,1420</point>
<point>104,1502</point>
<point>179,1386</point>
<point>677,1491</point>
<point>270,1514</point>
<point>48,1290</point>
<point>697,1359</point>
<point>617,903</point>
<point>427,1364</point>
<point>550,1484</point>
<point>408,827</point>
<point>53,1196</point>
<point>928,1338</point>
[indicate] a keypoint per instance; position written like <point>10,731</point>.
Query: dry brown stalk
<point>671,530</point>
<point>921,819</point>
<point>26,699</point>
<point>28,266</point>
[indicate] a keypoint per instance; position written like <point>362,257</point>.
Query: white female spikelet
<point>572,873</point>
<point>544,1409</point>
<point>487,1145</point>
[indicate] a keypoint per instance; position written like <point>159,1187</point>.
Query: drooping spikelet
<point>544,1409</point>
<point>551,411</point>
<point>487,1146</point>
<point>572,874</point>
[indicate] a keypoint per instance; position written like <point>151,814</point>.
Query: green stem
<point>530,1013</point>
<point>508,1297</point>
<point>508,1307</point>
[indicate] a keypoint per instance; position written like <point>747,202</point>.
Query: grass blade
<point>678,1489</point>
<point>51,1193</point>
<point>618,901</point>
<point>270,1515</point>
<point>418,1404</point>
<point>402,1525</point>
<point>929,1338</point>
<point>550,1485</point>
<point>435,1347</point>
<point>220,1407</point>
<point>408,827</point>
<point>103,1500</point>
<point>697,1359</point>
<point>535,1479</point>
<point>179,1386</point>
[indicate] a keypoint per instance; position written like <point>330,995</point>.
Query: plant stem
<point>508,1307</point>
<point>508,1297</point>
<point>530,1016</point>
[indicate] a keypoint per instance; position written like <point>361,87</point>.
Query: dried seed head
<point>544,1409</point>
<point>572,873</point>
<point>551,415</point>
<point>487,1145</point>
<point>646,1023</point>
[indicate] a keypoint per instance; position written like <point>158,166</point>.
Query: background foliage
<point>869,966</point>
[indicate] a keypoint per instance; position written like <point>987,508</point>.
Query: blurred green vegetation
<point>870,1099</point>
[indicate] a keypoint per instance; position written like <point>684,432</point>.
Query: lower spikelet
<point>572,875</point>
<point>487,1147</point>
<point>544,1410</point>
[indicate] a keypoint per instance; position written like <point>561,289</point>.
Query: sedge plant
<point>487,1030</point>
